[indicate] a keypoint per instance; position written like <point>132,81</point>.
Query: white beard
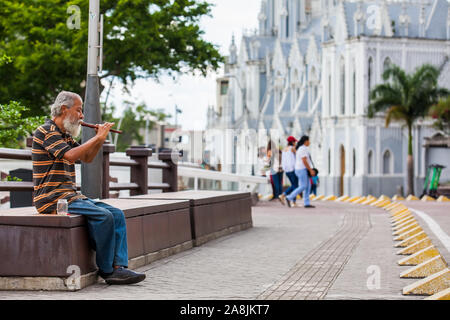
<point>72,127</point>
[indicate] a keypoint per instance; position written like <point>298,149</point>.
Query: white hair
<point>64,98</point>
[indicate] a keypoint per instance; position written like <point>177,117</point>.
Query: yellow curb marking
<point>443,199</point>
<point>413,239</point>
<point>343,198</point>
<point>403,223</point>
<point>408,234</point>
<point>399,211</point>
<point>361,200</point>
<point>352,199</point>
<point>416,246</point>
<point>419,257</point>
<point>411,198</point>
<point>403,217</point>
<point>430,285</point>
<point>425,269</point>
<point>397,198</point>
<point>442,295</point>
<point>405,229</point>
<point>330,198</point>
<point>427,198</point>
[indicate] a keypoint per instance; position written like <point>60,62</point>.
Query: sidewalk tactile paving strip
<point>314,274</point>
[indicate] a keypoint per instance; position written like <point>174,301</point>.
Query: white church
<point>309,68</point>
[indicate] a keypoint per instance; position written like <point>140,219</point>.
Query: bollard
<point>139,173</point>
<point>170,175</point>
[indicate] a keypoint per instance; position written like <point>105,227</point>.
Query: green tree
<point>132,123</point>
<point>13,126</point>
<point>441,112</point>
<point>406,97</point>
<point>142,39</point>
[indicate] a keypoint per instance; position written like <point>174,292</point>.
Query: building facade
<point>309,69</point>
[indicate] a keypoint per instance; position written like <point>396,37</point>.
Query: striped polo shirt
<point>53,176</point>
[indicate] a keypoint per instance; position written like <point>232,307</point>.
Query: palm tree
<point>407,97</point>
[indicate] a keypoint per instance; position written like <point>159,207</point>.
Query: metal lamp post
<point>91,174</point>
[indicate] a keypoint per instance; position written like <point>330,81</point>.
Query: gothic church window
<point>329,161</point>
<point>342,85</point>
<point>370,162</point>
<point>370,76</point>
<point>387,162</point>
<point>354,162</point>
<point>354,90</point>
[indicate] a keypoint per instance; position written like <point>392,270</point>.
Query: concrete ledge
<point>72,284</point>
<point>47,283</point>
<point>212,236</point>
<point>161,254</point>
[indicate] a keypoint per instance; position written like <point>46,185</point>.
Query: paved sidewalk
<point>289,254</point>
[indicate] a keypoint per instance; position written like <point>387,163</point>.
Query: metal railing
<point>137,161</point>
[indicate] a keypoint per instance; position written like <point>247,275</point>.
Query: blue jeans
<point>314,189</point>
<point>277,179</point>
<point>294,182</point>
<point>107,232</point>
<point>304,186</point>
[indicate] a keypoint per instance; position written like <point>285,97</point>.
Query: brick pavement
<point>288,250</point>
<point>314,274</point>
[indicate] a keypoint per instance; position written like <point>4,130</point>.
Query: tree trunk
<point>410,166</point>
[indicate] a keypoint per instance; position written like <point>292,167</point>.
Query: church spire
<point>404,20</point>
<point>422,20</point>
<point>262,18</point>
<point>233,52</point>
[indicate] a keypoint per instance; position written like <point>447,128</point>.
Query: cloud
<point>193,94</point>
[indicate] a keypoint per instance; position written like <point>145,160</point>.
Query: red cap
<point>291,139</point>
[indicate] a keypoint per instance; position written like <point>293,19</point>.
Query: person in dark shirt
<point>54,153</point>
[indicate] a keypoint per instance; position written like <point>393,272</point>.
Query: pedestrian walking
<point>315,182</point>
<point>288,165</point>
<point>303,170</point>
<point>276,171</point>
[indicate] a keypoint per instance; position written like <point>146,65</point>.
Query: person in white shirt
<point>303,166</point>
<point>276,171</point>
<point>288,164</point>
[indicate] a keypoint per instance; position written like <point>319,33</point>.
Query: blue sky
<point>193,94</point>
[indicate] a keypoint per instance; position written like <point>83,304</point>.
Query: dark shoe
<point>288,203</point>
<point>310,206</point>
<point>123,276</point>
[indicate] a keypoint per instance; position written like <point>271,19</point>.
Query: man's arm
<point>87,151</point>
<point>306,163</point>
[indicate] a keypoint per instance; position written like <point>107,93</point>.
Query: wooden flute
<point>94,126</point>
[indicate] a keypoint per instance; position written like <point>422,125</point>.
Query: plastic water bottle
<point>62,208</point>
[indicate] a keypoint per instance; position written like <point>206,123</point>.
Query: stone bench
<point>213,213</point>
<point>41,252</point>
